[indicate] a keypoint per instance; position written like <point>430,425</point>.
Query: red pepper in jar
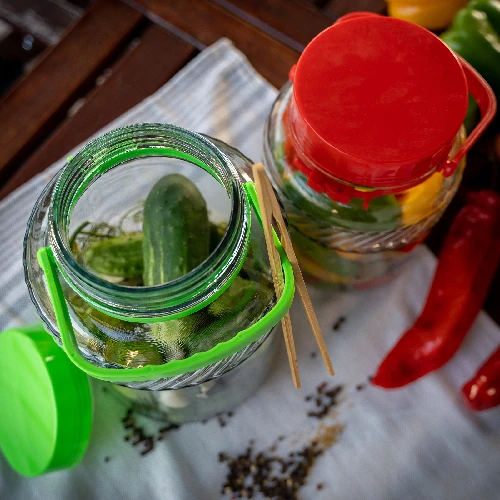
<point>466,266</point>
<point>483,391</point>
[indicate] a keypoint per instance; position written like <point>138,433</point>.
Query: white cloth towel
<point>415,443</point>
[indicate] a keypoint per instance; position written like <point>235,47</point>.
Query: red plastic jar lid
<point>377,101</point>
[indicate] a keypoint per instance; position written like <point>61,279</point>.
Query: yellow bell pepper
<point>418,202</point>
<point>431,14</point>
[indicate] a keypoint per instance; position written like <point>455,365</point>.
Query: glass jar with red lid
<point>366,145</point>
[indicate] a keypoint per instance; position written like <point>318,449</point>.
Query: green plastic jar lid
<point>46,402</point>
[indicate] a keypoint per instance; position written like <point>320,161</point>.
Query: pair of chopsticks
<point>270,210</point>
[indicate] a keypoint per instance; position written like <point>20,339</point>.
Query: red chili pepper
<point>408,248</point>
<point>289,150</point>
<point>466,266</point>
<point>483,391</point>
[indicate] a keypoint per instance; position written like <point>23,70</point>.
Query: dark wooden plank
<point>143,70</point>
<point>292,18</point>
<point>39,101</point>
<point>317,3</point>
<point>18,50</point>
<point>44,19</point>
<point>337,8</point>
<point>208,22</point>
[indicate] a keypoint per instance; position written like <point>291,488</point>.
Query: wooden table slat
<point>293,18</point>
<point>39,101</point>
<point>143,70</point>
<point>337,8</point>
<point>208,22</point>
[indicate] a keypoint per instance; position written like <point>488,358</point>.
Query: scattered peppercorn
<point>222,419</point>
<point>360,387</point>
<point>324,399</point>
<point>276,477</point>
<point>313,355</point>
<point>272,476</point>
<point>321,387</point>
<point>168,428</point>
<point>338,323</point>
<point>136,435</point>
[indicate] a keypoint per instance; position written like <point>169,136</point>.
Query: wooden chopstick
<point>299,279</point>
<point>261,178</point>
<point>277,273</point>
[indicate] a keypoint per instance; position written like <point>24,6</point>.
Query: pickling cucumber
<point>123,348</point>
<point>119,256</point>
<point>175,228</point>
<point>216,233</point>
<point>176,236</point>
<point>230,298</point>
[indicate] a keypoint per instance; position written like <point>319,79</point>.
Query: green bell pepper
<point>473,115</point>
<point>383,213</point>
<point>475,35</point>
<point>491,8</point>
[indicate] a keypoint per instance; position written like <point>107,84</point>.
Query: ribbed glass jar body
<point>98,200</point>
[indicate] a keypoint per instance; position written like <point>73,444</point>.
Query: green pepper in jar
<point>382,214</point>
<point>310,252</point>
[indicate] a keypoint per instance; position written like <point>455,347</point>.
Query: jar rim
<point>186,293</point>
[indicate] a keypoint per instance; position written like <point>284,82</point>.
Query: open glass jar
<point>146,261</point>
<point>366,147</point>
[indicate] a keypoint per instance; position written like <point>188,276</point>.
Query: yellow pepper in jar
<point>417,202</point>
<point>431,14</point>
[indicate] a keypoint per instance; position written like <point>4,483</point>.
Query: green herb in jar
<point>119,256</point>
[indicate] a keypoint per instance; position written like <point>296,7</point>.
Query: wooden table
<point>121,51</point>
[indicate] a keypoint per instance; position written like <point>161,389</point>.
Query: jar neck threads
<point>114,150</point>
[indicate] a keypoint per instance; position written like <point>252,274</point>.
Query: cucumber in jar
<point>176,239</point>
<point>117,341</point>
<point>175,229</point>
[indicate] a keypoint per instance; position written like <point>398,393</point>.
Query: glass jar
<point>180,350</point>
<point>365,150</point>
